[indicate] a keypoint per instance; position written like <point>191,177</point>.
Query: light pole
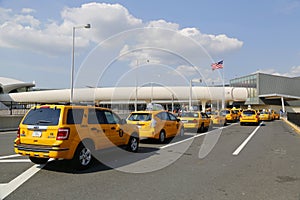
<point>72,67</point>
<point>136,84</point>
<point>191,93</point>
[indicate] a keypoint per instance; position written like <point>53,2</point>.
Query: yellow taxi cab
<point>195,120</point>
<point>265,115</point>
<point>72,132</point>
<point>275,115</point>
<point>218,118</point>
<point>231,116</point>
<point>238,111</point>
<point>249,116</point>
<point>156,124</point>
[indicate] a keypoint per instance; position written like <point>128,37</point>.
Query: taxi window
<point>249,112</point>
<point>111,118</point>
<point>190,114</point>
<point>42,116</point>
<point>74,116</point>
<point>172,117</point>
<point>140,117</point>
<point>96,117</point>
<point>204,115</point>
<point>163,116</point>
<point>224,112</point>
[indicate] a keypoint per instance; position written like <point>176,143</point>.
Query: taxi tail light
<point>63,134</point>
<point>18,133</point>
<point>153,123</point>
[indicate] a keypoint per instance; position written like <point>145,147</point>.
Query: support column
<point>282,104</point>
<point>203,104</point>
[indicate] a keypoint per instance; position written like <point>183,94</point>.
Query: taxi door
<point>97,128</point>
<point>168,125</point>
<point>113,130</point>
<point>175,124</point>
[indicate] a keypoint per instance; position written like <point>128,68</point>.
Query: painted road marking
<point>10,156</point>
<point>6,189</point>
<point>15,161</point>
<point>241,147</point>
<point>195,136</point>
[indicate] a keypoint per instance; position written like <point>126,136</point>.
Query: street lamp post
<point>136,85</point>
<point>191,92</point>
<point>73,55</point>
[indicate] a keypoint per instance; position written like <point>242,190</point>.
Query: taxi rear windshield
<point>249,112</point>
<point>189,114</point>
<point>42,116</point>
<point>140,117</point>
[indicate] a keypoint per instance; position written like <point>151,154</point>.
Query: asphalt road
<point>212,165</point>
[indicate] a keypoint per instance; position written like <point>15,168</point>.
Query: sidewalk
<point>294,126</point>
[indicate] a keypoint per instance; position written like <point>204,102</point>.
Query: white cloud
<point>106,19</point>
<point>24,31</point>
<point>292,72</point>
<point>184,70</point>
<point>27,10</point>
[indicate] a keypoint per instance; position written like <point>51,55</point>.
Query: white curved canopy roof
<point>129,94</point>
<point>8,84</point>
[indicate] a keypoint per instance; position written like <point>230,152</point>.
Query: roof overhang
<point>279,96</point>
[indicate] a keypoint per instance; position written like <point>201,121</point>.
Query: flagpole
<point>220,65</point>
<point>223,96</point>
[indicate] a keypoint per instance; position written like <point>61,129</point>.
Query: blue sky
<point>170,41</point>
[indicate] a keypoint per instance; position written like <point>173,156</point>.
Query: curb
<point>294,126</point>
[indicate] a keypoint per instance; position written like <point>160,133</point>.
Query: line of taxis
<point>246,116</point>
<point>75,132</point>
<point>251,116</point>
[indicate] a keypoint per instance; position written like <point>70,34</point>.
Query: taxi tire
<point>39,161</point>
<point>83,157</point>
<point>201,129</point>
<point>162,137</point>
<point>133,144</point>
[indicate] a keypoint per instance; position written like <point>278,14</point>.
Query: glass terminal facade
<point>251,83</point>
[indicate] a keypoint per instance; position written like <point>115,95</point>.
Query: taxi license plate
<point>37,134</point>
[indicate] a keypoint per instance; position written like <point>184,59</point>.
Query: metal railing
<point>15,108</point>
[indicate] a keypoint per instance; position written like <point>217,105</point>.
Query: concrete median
<point>10,122</point>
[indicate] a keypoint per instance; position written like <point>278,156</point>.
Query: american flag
<point>217,65</point>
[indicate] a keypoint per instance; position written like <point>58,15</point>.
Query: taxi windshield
<point>140,117</point>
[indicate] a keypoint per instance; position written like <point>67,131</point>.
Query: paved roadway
<point>213,165</point>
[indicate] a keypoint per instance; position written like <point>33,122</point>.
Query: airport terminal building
<point>258,90</point>
<point>270,90</point>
